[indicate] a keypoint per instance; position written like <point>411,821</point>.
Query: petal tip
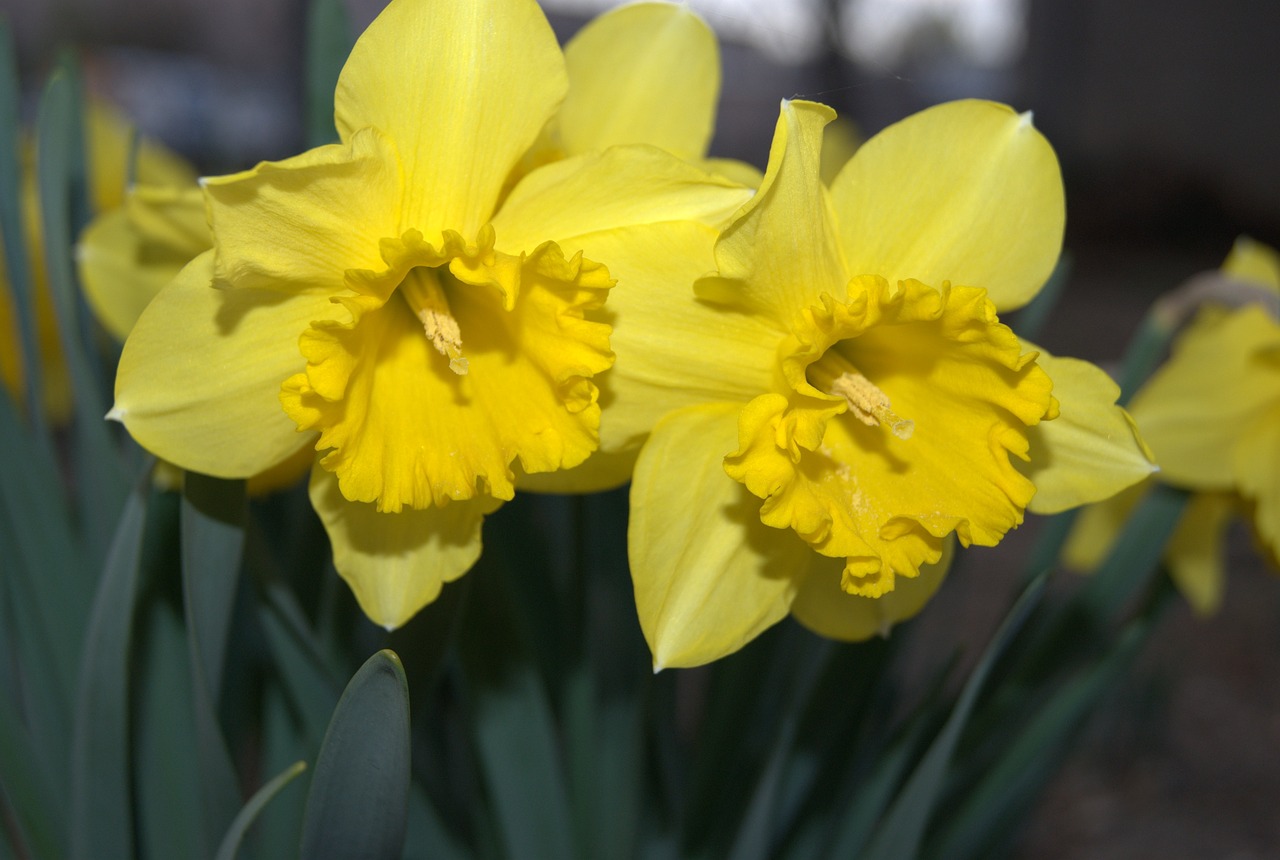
<point>1026,119</point>
<point>116,414</point>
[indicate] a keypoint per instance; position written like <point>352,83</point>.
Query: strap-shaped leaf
<point>213,514</point>
<point>329,40</point>
<point>900,833</point>
<point>101,486</point>
<point>12,231</point>
<point>513,725</point>
<point>101,815</point>
<point>359,801</point>
<point>244,819</point>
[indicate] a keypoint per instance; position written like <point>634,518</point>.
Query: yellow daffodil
<point>108,141</point>
<point>128,254</point>
<point>389,302</point>
<point>839,396</point>
<point>1211,414</point>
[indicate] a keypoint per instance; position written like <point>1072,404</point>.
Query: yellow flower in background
<point>108,143</point>
<point>839,396</point>
<point>128,254</point>
<point>1211,414</point>
<point>423,326</point>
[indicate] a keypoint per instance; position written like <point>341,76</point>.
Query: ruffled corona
<point>903,408</point>
<point>456,361</point>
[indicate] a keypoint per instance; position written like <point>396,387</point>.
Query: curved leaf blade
<point>359,801</point>
<point>245,817</point>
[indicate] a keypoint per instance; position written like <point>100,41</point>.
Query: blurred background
<point>1165,116</point>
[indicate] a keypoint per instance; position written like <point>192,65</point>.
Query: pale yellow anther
<point>422,290</point>
<point>870,405</point>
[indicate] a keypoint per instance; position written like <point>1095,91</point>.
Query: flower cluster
<point>518,268</point>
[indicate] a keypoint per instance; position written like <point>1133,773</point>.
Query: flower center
<point>835,374</point>
<point>423,291</point>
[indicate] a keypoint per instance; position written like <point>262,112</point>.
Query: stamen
<point>869,404</point>
<point>422,290</point>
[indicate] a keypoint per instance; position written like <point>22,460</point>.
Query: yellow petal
<point>1096,528</point>
<point>672,349</point>
<point>967,191</point>
<point>623,187</point>
<point>110,146</point>
<point>408,426</point>
<point>708,576</point>
<point>463,89</point>
<point>397,563</point>
<point>299,224</point>
<point>1092,450</point>
<point>199,379</point>
<point>1211,389</point>
<point>840,140</point>
<point>744,174</point>
<point>643,73</point>
<point>1253,262</point>
<point>780,253</point>
<point>826,609</point>
<point>1257,467</point>
<point>1197,551</point>
<point>118,277</point>
<point>170,218</point>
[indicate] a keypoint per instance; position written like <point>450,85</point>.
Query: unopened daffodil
<point>1211,414</point>
<point>838,397</point>
<point>393,303</point>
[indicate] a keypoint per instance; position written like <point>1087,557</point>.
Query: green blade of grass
<point>358,803</point>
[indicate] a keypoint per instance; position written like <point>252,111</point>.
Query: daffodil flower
<point>839,396</point>
<point>108,141</point>
<point>390,302</point>
<point>1211,414</point>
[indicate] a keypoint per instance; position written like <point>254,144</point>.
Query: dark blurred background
<point>1166,117</point>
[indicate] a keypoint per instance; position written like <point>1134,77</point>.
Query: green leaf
<point>101,814</point>
<point>164,741</point>
<point>358,804</point>
<point>513,726</point>
<point>25,780</point>
<point>1136,554</point>
<point>1010,786</point>
<point>874,792</point>
<point>901,831</point>
<point>12,229</point>
<point>302,670</point>
<point>244,819</point>
<point>43,577</point>
<point>759,832</point>
<point>329,41</point>
<point>100,478</point>
<point>278,827</point>
<point>213,514</point>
